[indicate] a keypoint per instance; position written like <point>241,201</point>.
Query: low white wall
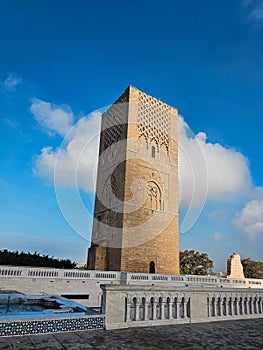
<point>141,306</point>
<point>57,281</point>
<point>143,278</point>
<point>31,280</point>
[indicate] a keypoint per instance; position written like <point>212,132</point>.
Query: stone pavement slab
<point>46,342</point>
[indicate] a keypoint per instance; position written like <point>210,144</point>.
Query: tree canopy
<point>37,260</point>
<point>195,263</point>
<point>252,269</point>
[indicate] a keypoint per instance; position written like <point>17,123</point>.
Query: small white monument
<point>234,267</point>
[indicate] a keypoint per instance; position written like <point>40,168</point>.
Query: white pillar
<point>137,310</point>
<point>146,317</point>
<point>245,307</point>
<point>219,307</point>
<point>241,307</point>
<point>170,310</point>
<point>154,310</point>
<point>128,312</point>
<point>233,308</point>
<point>229,308</point>
<point>162,310</point>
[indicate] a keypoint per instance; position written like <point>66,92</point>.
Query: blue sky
<point>60,61</point>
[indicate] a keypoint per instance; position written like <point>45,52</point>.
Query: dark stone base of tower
<point>135,225</point>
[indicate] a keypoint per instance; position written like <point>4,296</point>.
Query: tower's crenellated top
<point>129,95</point>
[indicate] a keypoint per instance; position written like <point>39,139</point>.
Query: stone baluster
<point>219,307</point>
<point>241,306</point>
<point>154,310</point>
<point>162,310</point>
<point>250,307</point>
<point>212,308</point>
<point>146,316</point>
<point>245,307</point>
<point>183,309</point>
<point>233,307</point>
<point>255,306</point>
<point>170,309</point>
<point>137,310</point>
<point>128,311</point>
<point>229,308</point>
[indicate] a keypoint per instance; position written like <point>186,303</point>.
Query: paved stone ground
<point>227,335</point>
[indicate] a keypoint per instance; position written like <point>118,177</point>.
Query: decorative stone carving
<point>154,195</point>
<point>154,121</point>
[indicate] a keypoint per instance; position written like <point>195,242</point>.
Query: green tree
<point>195,263</point>
<point>28,259</point>
<point>252,269</point>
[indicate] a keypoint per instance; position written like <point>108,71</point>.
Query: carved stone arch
<point>153,150</point>
<point>152,298</point>
<point>143,143</point>
<point>208,295</point>
<point>228,297</point>
<point>129,298</point>
<point>144,137</point>
<point>165,296</point>
<point>147,300</point>
<point>154,196</point>
<point>136,295</point>
<point>153,141</point>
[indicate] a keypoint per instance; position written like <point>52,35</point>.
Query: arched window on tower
<point>154,200</point>
<point>153,151</point>
<point>152,267</point>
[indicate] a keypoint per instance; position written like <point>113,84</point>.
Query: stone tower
<point>135,226</point>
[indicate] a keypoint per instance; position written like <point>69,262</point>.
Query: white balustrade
<point>128,278</point>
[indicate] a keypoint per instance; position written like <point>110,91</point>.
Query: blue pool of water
<point>16,306</point>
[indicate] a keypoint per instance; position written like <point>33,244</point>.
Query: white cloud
<point>217,236</point>
<point>250,219</point>
<point>256,10</point>
<point>76,160</point>
<point>52,118</point>
<point>257,14</point>
<point>210,169</point>
<point>205,169</point>
<point>11,82</point>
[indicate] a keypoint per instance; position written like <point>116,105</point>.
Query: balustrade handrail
<point>126,277</point>
<point>42,272</point>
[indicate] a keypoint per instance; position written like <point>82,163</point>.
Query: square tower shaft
<point>135,226</point>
